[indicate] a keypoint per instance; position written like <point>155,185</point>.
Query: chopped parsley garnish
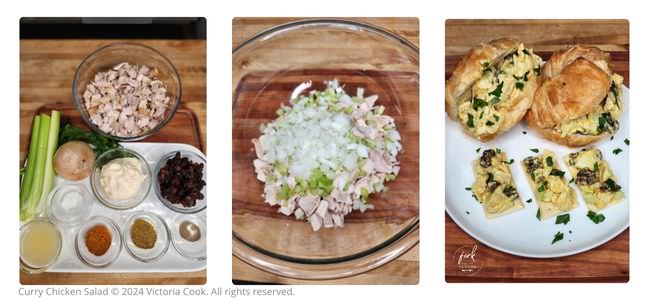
<point>526,52</point>
<point>541,188</point>
<point>524,132</point>
<point>497,91</point>
<point>539,214</point>
<point>489,123</point>
<point>538,70</point>
<point>596,167</point>
<point>467,212</point>
<point>572,180</point>
<point>475,198</point>
<point>535,150</point>
<point>612,186</point>
<point>478,103</point>
<point>563,219</point>
<point>556,172</point>
<point>605,119</point>
<point>558,237</point>
<point>490,178</point>
<point>508,162</point>
<point>468,188</point>
<point>549,161</point>
<point>496,117</point>
<point>486,64</point>
<point>498,150</point>
<point>627,142</point>
<point>617,151</point>
<point>519,85</point>
<point>470,121</point>
<point>601,124</point>
<point>478,149</point>
<point>596,218</point>
<point>529,201</point>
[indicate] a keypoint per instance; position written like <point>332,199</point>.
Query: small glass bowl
<point>98,190</point>
<point>110,55</point>
<point>192,250</point>
<point>162,238</point>
<point>25,265</point>
<point>200,204</point>
<point>69,204</point>
<point>113,252</point>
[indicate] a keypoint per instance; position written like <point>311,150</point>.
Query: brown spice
<point>190,231</point>
<point>98,239</point>
<point>143,234</point>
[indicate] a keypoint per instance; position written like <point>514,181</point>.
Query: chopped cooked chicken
<point>126,100</point>
<point>325,154</point>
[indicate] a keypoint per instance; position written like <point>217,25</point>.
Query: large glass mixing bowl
<point>266,68</point>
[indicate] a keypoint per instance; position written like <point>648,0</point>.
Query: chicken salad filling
<point>482,113</point>
<point>604,118</point>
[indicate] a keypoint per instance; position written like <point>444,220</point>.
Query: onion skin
<point>74,160</point>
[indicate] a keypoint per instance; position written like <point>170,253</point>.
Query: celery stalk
<point>28,176</point>
<point>52,144</point>
<point>34,197</point>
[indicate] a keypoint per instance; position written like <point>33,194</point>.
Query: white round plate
<point>521,233</point>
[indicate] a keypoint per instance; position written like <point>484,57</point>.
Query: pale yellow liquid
<point>40,244</point>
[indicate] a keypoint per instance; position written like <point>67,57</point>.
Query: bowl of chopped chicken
<point>126,91</point>
<point>325,149</point>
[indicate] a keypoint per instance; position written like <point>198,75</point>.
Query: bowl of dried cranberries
<point>180,181</point>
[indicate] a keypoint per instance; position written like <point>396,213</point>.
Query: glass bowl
<point>69,204</point>
<point>110,55</point>
<point>194,250</point>
<point>162,238</point>
<point>98,190</point>
<point>113,252</point>
<point>265,71</point>
<point>200,204</point>
<point>30,266</point>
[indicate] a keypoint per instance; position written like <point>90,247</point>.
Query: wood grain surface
<point>405,269</point>
<point>46,71</point>
<point>245,28</point>
<point>181,129</point>
<point>606,263</point>
<point>258,96</point>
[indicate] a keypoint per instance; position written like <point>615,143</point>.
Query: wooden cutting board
<point>47,69</point>
<point>606,263</point>
<point>183,128</point>
<point>258,96</point>
<point>405,269</point>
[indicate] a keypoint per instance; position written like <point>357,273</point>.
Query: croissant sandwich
<point>579,99</point>
<point>492,87</point>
